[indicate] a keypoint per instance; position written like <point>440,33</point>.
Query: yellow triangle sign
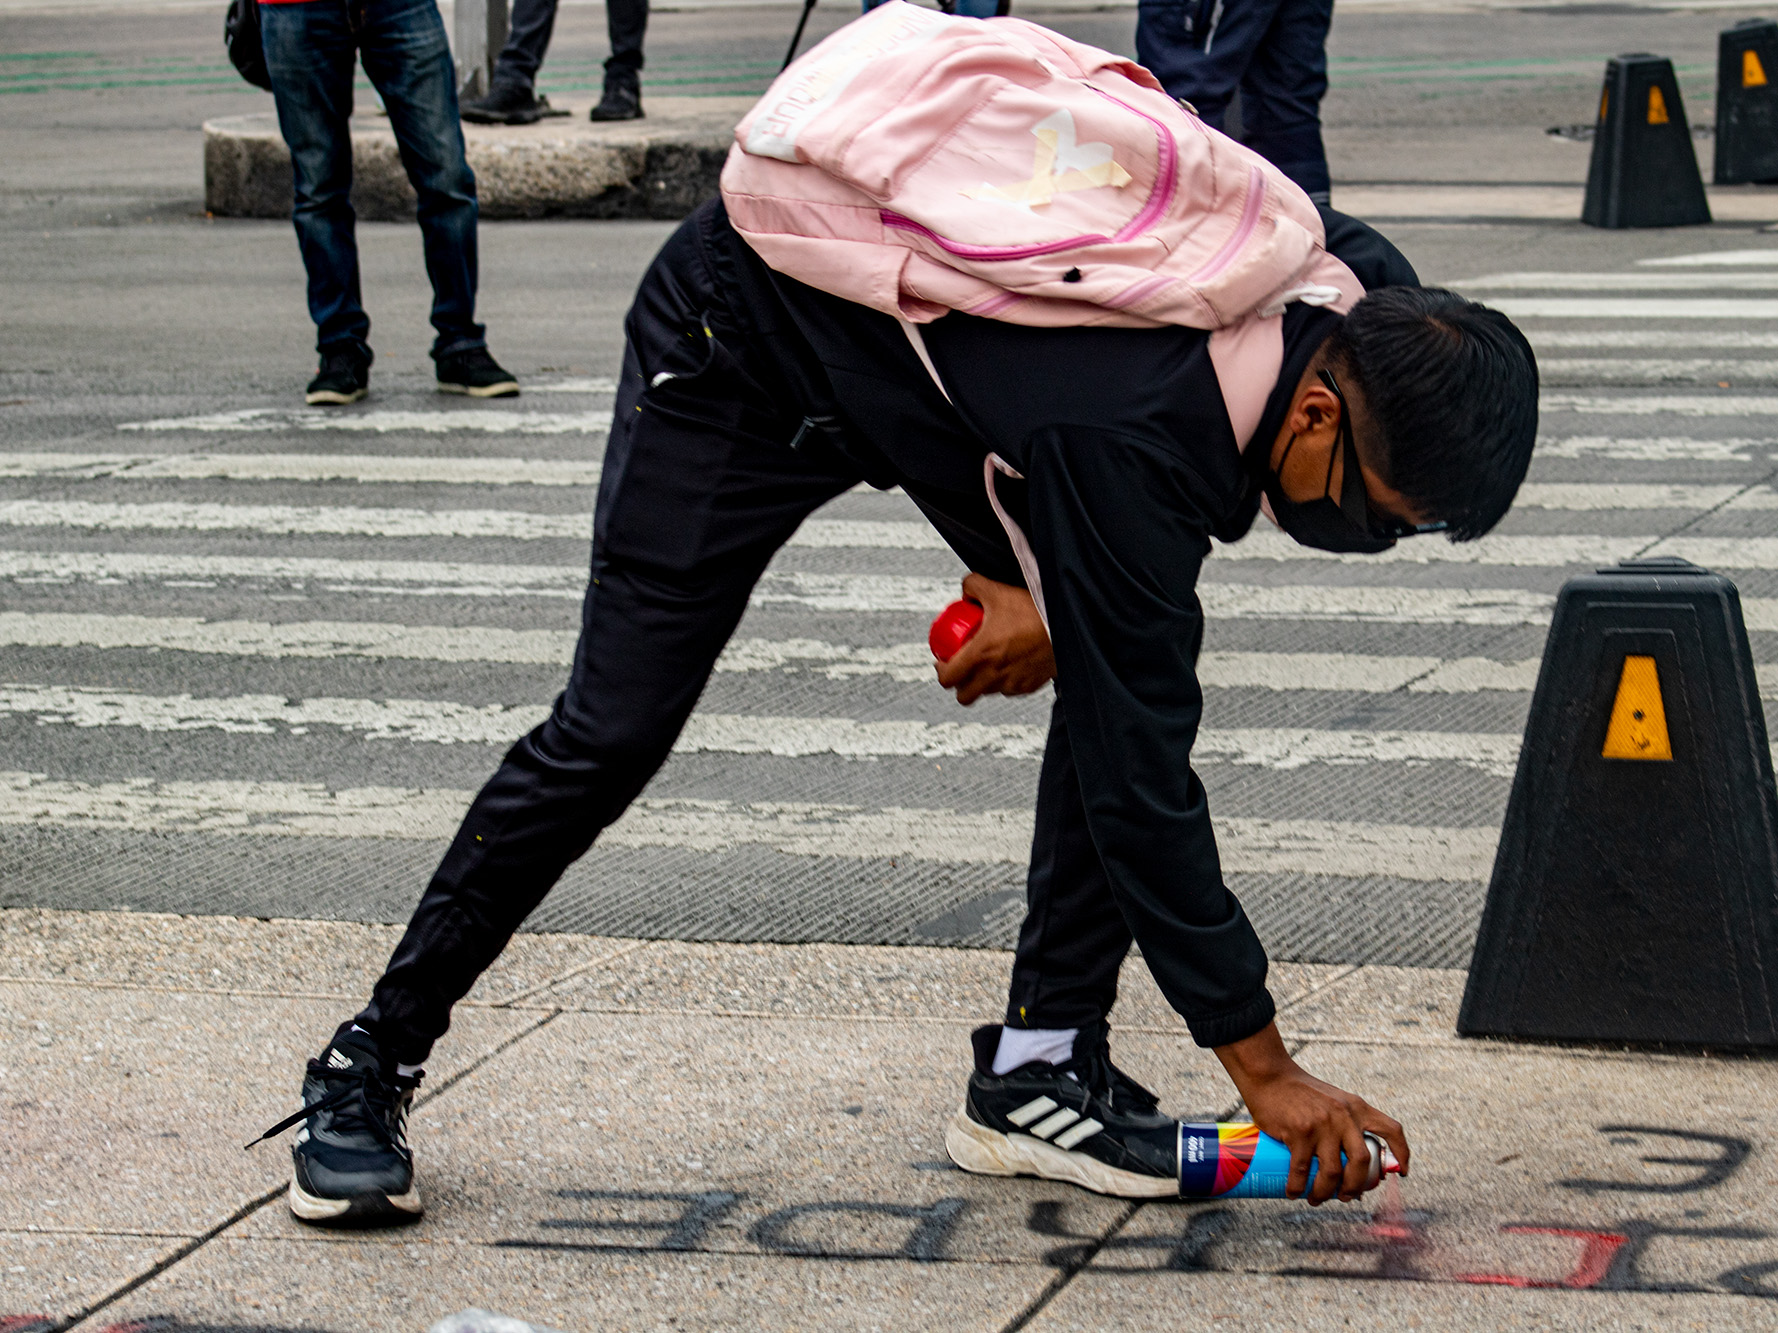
<point>1657,106</point>
<point>1638,728</point>
<point>1753,74</point>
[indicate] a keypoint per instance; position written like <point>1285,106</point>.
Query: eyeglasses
<point>1354,500</point>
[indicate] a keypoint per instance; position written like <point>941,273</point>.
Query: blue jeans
<point>311,49</point>
<point>1273,51</point>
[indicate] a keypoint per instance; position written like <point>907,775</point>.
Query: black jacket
<point>1130,468</point>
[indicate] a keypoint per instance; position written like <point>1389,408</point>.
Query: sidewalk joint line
<point>1060,1281</point>
<point>240,1214</point>
<point>513,1001</point>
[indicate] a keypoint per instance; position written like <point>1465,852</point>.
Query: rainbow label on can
<point>1214,1160</point>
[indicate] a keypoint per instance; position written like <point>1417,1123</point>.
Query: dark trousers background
<point>533,21</point>
<point>700,489</point>
<point>312,51</point>
<point>1273,51</point>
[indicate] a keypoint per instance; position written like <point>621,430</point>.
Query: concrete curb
<point>660,167</point>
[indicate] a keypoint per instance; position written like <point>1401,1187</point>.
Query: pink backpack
<point>919,163</point>
<point>916,163</point>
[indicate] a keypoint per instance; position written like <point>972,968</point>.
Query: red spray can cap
<point>952,628</point>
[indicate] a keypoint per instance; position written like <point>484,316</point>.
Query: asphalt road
<point>255,658</point>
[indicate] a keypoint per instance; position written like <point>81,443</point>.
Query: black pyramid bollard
<point>1747,103</point>
<point>1635,893</point>
<point>1644,172</point>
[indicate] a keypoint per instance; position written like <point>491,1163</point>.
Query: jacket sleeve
<point>1119,539</point>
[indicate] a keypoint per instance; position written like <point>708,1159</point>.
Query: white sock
<point>1020,1046</point>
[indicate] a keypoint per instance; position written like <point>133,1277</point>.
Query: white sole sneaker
<point>505,389</point>
<point>333,398</point>
<point>987,1152</point>
<point>313,1208</point>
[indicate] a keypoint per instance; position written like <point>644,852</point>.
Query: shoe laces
<point>340,361</point>
<point>1105,1080</point>
<point>361,1099</point>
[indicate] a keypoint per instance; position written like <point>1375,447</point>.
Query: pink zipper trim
<point>1166,182</point>
<point>1256,198</point>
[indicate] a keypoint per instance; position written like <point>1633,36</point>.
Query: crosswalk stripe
<point>1684,405</point>
<point>1649,449</point>
<point>1635,308</point>
<point>1703,280</point>
<point>1623,495</point>
<point>407,468</point>
<point>1714,259</point>
<point>368,521</point>
<point>522,525</point>
<point>286,809</point>
<point>414,577</point>
<point>290,520</point>
<point>442,722</point>
<point>1554,552</point>
<point>382,421</point>
<point>822,592</point>
<point>1663,339</point>
<point>907,662</point>
<point>1509,551</point>
<point>1648,370</point>
<point>456,471</point>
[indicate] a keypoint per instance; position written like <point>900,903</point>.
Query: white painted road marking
<point>382,421</point>
<point>284,809</point>
<point>1686,405</point>
<point>1620,282</point>
<point>441,722</point>
<point>1663,339</point>
<point>1650,449</point>
<point>1648,370</point>
<point>824,534</point>
<point>1650,309</point>
<point>1716,259</point>
<point>407,468</point>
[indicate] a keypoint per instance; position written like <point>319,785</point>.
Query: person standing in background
<point>512,96</point>
<point>312,49</point>
<point>1273,52</point>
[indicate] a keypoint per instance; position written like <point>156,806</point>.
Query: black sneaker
<point>1085,1122</point>
<point>352,1162</point>
<point>507,104</point>
<point>344,376</point>
<point>475,373</point>
<point>622,100</point>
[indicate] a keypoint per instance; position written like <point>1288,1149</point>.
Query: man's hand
<point>1315,1120</point>
<point>1009,654</point>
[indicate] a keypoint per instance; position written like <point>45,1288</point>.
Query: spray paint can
<point>1235,1161</point>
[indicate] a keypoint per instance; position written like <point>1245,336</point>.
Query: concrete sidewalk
<point>623,1135</point>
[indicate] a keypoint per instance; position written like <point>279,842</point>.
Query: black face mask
<point>1340,525</point>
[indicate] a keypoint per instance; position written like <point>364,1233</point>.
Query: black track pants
<point>700,488</point>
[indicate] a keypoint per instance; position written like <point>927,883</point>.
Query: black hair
<point>1450,393</point>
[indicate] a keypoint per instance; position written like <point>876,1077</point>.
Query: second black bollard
<point>1747,103</point>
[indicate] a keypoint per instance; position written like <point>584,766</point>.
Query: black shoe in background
<point>623,97</point>
<point>475,373</point>
<point>344,377</point>
<point>351,1162</point>
<point>505,104</point>
<point>1085,1122</point>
